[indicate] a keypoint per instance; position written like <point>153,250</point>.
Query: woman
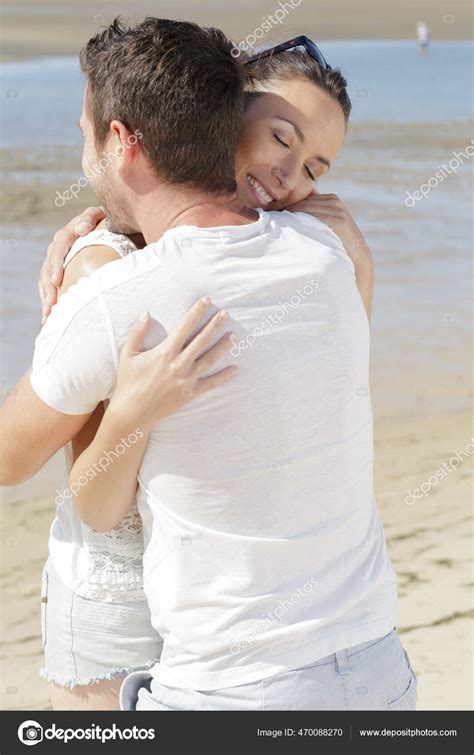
<point>96,625</point>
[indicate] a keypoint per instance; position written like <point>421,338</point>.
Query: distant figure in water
<point>423,36</point>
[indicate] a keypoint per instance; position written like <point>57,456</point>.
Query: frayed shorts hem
<point>71,681</point>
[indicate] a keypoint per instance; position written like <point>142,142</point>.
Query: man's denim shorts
<point>86,641</point>
<point>375,675</point>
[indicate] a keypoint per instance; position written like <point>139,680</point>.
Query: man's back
<point>301,395</point>
<point>264,551</point>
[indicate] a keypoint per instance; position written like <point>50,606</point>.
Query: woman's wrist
<point>359,250</point>
<point>120,418</point>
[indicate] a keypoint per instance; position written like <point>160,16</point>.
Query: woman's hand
<point>51,274</point>
<point>330,210</point>
<point>153,384</point>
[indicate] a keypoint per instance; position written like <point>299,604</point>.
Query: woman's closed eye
<point>280,141</point>
<point>284,144</point>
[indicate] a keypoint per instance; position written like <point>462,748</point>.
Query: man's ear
<point>123,141</point>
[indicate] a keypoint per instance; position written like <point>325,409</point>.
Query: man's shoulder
<point>119,273</point>
<point>307,225</point>
<point>93,296</point>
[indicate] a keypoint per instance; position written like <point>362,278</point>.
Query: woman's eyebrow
<point>298,131</point>
<point>323,161</point>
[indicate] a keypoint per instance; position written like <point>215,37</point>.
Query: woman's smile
<point>261,195</point>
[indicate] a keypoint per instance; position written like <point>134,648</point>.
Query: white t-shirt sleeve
<point>324,234</point>
<point>76,357</point>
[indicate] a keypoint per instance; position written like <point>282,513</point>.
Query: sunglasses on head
<point>302,41</point>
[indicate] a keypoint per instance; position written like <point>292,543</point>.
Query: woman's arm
<point>52,271</point>
<point>151,385</point>
<point>330,210</point>
<point>103,477</point>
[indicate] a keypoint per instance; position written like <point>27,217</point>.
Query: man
<point>265,565</point>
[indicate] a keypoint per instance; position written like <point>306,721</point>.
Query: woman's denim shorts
<point>86,641</point>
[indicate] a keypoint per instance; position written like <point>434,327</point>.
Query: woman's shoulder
<point>101,237</point>
<point>83,265</point>
<point>92,251</point>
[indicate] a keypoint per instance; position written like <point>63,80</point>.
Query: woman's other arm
<point>330,210</point>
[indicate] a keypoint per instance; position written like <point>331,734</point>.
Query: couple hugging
<point>211,342</point>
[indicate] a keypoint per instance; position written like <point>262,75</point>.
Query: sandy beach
<point>421,331</point>
<point>31,27</point>
<point>429,543</point>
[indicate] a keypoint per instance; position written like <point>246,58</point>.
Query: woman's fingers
<point>201,340</point>
<point>318,197</point>
<point>133,343</point>
<point>65,238</point>
<point>45,309</point>
<point>181,335</point>
<point>329,212</point>
<point>314,201</point>
<point>159,382</point>
<point>58,249</point>
<point>181,344</point>
<point>213,381</point>
<point>87,220</point>
<point>47,289</point>
<point>51,275</point>
<point>52,271</point>
<point>220,349</point>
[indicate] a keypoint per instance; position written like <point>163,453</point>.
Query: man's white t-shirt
<point>264,551</point>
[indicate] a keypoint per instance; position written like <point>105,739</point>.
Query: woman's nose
<point>286,176</point>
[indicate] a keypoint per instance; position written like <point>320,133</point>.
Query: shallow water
<point>388,81</point>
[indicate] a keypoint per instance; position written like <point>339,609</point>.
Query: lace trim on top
<point>102,237</point>
<point>116,557</point>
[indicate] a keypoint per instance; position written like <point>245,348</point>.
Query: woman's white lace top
<point>100,566</point>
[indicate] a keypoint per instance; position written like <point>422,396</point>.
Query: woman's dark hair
<point>288,65</point>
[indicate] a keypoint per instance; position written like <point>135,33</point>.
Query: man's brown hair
<point>179,86</point>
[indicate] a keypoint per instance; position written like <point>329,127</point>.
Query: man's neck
<point>172,207</point>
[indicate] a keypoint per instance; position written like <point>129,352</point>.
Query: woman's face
<point>290,136</point>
